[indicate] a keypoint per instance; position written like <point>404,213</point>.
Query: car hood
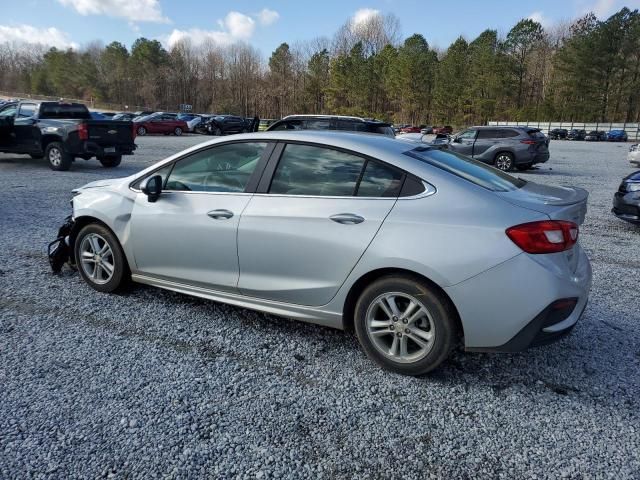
<point>99,184</point>
<point>560,203</point>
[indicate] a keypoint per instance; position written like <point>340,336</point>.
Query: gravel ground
<point>158,384</point>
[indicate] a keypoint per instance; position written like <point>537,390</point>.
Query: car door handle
<point>220,214</point>
<point>347,218</point>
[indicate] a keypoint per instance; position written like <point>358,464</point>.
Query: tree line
<point>585,70</point>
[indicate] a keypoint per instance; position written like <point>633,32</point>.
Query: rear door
<point>316,211</point>
<point>486,139</point>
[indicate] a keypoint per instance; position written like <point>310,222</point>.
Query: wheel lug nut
<point>391,327</point>
<point>405,320</point>
<point>399,334</point>
<point>406,330</point>
<point>395,319</point>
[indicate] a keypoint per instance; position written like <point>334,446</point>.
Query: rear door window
<point>27,110</point>
<point>317,171</point>
<point>318,124</point>
<point>351,126</point>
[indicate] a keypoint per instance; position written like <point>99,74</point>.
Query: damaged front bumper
<point>59,250</point>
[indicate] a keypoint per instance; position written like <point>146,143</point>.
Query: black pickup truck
<point>62,132</point>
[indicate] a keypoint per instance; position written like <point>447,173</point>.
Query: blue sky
<point>265,24</point>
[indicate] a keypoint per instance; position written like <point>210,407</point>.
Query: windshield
<point>465,167</point>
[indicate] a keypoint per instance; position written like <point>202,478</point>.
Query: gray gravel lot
<point>158,384</point>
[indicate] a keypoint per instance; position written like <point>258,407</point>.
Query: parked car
<point>576,134</point>
<point>124,116</point>
<point>596,136</point>
<point>411,129</point>
<point>439,139</point>
<point>446,130</point>
<point>336,236</point>
<point>165,123</point>
<point>223,125</point>
<point>558,134</point>
<point>191,119</point>
<point>634,155</point>
<point>99,116</point>
<point>332,122</point>
<point>626,201</point>
<point>505,148</point>
<point>61,132</point>
<point>617,136</point>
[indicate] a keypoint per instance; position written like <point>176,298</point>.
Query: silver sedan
<point>413,247</point>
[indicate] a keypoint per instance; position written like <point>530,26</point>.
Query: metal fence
<point>632,129</point>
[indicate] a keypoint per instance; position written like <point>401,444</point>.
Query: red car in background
<point>446,130</point>
<point>412,129</point>
<point>160,122</point>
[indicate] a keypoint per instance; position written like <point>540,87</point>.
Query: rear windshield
<point>64,110</point>
<point>465,167</point>
<point>384,130</point>
<point>536,134</point>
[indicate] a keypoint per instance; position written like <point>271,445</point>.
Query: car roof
<point>337,117</point>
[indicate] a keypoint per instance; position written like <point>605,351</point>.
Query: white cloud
<point>133,10</point>
<point>44,36</point>
<point>267,17</point>
<point>235,27</point>
<point>540,18</point>
<point>364,15</point>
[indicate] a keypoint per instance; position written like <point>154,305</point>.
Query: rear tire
<point>403,339</point>
<point>177,131</point>
<point>504,161</point>
<point>141,131</point>
<point>100,259</point>
<point>110,162</point>
<point>58,159</point>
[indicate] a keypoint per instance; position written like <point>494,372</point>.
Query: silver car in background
<point>506,148</point>
<point>411,246</point>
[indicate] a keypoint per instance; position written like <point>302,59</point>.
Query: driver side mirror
<point>152,188</point>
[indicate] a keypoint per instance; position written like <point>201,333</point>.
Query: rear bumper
<point>97,150</point>
<point>626,206</point>
<point>541,157</point>
<point>508,308</point>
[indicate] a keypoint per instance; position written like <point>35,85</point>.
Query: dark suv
<point>332,122</point>
<point>503,147</point>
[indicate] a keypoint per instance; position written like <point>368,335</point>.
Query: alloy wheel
<point>504,162</point>
<point>55,157</point>
<point>96,258</point>
<point>400,327</point>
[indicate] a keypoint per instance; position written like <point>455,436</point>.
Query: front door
<point>27,134</point>
<point>189,234</point>
<point>463,143</point>
<point>298,242</point>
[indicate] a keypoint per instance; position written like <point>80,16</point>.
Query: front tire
<point>141,131</point>
<point>58,159</point>
<point>110,162</point>
<point>100,259</point>
<point>405,325</point>
<point>504,161</point>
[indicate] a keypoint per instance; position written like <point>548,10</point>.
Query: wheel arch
<point>365,280</point>
<point>50,138</point>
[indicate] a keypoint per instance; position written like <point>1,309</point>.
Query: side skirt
<point>296,312</point>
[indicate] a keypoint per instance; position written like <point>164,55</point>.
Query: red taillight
<point>549,236</point>
<point>528,142</point>
<point>83,131</point>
